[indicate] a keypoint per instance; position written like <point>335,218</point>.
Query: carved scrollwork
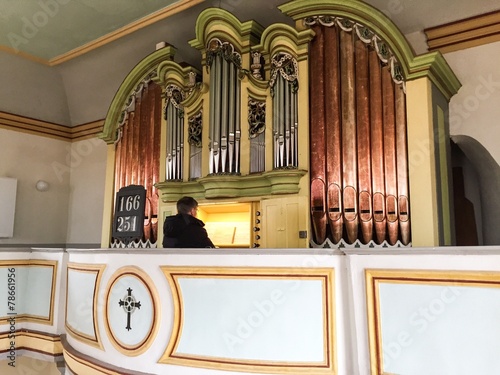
<point>175,95</point>
<point>217,47</point>
<point>256,66</point>
<point>256,117</point>
<point>285,65</point>
<point>195,129</point>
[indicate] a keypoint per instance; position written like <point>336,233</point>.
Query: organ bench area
<point>330,133</point>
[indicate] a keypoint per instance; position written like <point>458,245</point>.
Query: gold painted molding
<point>373,277</point>
<point>326,275</point>
<point>467,33</point>
<point>98,269</point>
<point>80,363</point>
<point>35,341</point>
<point>41,128</point>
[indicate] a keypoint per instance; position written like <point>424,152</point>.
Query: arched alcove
<point>487,172</point>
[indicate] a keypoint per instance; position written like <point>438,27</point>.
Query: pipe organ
<point>310,126</point>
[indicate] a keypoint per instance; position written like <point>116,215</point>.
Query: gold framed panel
<point>96,269</point>
<point>326,276</point>
<point>373,279</point>
<point>24,317</point>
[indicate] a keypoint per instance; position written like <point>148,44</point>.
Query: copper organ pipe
<point>390,155</point>
<point>358,146</point>
<point>377,147</point>
<point>317,130</point>
<point>402,167</point>
<point>134,141</point>
<point>333,136</point>
<point>118,164</point>
<point>126,154</point>
<point>142,162</point>
<point>138,152</point>
<point>363,141</point>
<point>349,164</point>
<point>156,123</point>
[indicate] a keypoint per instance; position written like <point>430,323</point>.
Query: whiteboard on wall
<point>8,187</point>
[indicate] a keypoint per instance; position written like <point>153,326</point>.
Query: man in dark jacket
<point>185,229</point>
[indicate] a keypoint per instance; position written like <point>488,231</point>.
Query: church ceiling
<point>54,31</point>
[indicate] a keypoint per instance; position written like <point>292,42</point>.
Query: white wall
<point>91,81</point>
<point>86,197</point>
<point>32,90</point>
<point>70,212</point>
<point>40,217</point>
<point>475,110</point>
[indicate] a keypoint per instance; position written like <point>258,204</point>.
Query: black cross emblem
<point>129,305</point>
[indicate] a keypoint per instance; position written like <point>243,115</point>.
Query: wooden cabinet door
<point>282,221</point>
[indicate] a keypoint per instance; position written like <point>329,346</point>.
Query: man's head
<point>187,205</point>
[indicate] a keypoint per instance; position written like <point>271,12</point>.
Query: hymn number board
<point>128,223</point>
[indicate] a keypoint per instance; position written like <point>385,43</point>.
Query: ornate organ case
<point>323,134</point>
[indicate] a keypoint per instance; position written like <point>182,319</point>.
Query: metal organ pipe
<point>317,128</point>
<point>224,125</point>
<point>211,121</point>
<point>231,115</point>
<point>390,155</point>
<point>281,120</point>
<point>349,163</point>
<point>237,124</point>
<point>217,112</point>
<point>358,137</point>
<point>180,144</point>
<point>224,114</point>
<point>170,143</point>
<point>402,166</point>
<point>333,136</point>
<point>377,146</point>
<point>363,141</point>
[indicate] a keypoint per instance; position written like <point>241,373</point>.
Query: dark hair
<point>186,204</point>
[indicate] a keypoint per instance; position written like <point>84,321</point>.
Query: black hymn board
<point>128,223</point>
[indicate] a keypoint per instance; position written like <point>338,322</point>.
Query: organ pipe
<point>224,125</point>
<point>138,151</point>
<point>359,168</point>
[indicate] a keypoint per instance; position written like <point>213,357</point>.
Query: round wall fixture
<point>132,311</point>
<point>42,185</point>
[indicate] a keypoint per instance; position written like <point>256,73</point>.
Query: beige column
<point>107,214</point>
<point>421,164</point>
<point>428,164</point>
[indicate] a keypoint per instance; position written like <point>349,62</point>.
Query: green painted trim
<point>248,31</point>
<point>431,65</point>
<point>172,68</point>
<point>229,186</point>
<point>277,31</point>
<point>434,66</point>
<point>136,75</point>
<point>260,92</point>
